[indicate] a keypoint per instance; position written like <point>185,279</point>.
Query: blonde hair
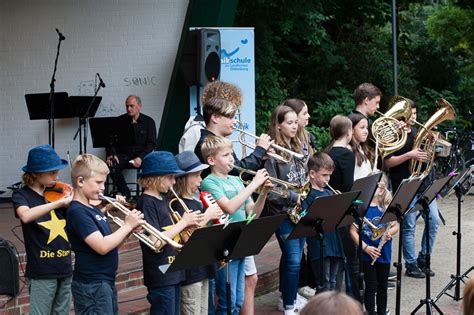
<point>386,197</point>
<point>151,182</point>
<point>332,303</point>
<point>223,90</point>
<point>212,145</point>
<point>87,165</point>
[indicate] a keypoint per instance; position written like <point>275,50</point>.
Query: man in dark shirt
<point>143,141</point>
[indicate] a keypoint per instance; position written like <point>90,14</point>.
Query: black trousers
<point>376,281</point>
<point>117,175</point>
<point>350,252</point>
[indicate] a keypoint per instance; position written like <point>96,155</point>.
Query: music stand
<point>323,216</point>
<point>109,132</point>
<point>425,199</point>
<point>461,189</point>
<point>39,107</point>
<point>216,244</point>
<point>367,185</point>
<point>84,107</point>
<point>401,200</point>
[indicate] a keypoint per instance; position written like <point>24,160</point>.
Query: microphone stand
<point>82,130</point>
<point>51,94</point>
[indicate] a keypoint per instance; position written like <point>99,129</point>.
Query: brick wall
<point>132,44</point>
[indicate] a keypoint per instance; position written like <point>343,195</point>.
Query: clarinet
<point>383,240</point>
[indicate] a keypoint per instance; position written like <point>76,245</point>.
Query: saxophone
<point>425,139</point>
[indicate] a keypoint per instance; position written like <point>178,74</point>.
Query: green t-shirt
<point>226,187</point>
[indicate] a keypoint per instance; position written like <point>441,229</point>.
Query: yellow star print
<point>55,227</point>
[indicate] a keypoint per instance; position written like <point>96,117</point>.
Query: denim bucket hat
<point>43,158</point>
<point>159,163</point>
<point>189,162</point>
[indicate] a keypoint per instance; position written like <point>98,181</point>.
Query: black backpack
<point>9,278</point>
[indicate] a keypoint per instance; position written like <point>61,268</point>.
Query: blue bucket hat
<point>159,163</point>
<point>189,162</point>
<point>43,158</point>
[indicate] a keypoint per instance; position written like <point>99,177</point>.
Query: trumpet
<point>279,157</point>
<point>186,233</point>
<point>155,245</point>
<point>376,232</point>
<point>302,190</point>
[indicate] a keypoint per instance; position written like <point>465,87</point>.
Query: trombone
<point>252,146</point>
<point>376,232</point>
<point>186,233</point>
<point>155,245</point>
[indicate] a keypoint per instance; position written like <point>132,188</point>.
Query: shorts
<point>250,268</point>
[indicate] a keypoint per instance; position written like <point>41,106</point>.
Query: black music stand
<point>401,200</point>
<point>461,187</point>
<point>39,107</point>
<point>425,199</point>
<point>324,215</point>
<point>84,107</point>
<point>217,244</point>
<point>108,132</point>
<point>367,186</point>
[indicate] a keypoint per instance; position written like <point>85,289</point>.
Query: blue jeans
<point>164,300</point>
<point>237,286</point>
<point>291,252</point>
<point>94,298</point>
<point>50,296</point>
<point>212,292</point>
<point>409,226</point>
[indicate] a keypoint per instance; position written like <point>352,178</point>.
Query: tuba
<point>386,129</point>
<point>425,139</point>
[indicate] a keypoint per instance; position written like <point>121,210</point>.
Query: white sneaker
<point>307,292</point>
<point>300,302</point>
<point>280,305</point>
<point>293,311</point>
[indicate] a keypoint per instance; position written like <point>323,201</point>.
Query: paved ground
<point>443,263</point>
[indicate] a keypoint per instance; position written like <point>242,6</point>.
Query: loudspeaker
<point>201,60</point>
<point>9,278</point>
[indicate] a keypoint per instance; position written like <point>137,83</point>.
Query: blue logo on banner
<point>235,63</point>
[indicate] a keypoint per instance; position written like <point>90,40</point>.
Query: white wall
<point>132,44</point>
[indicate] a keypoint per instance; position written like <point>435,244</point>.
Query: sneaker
<point>391,285</point>
<point>392,276</point>
<point>300,301</point>
<point>307,292</point>
<point>421,265</point>
<point>292,311</point>
<point>414,272</point>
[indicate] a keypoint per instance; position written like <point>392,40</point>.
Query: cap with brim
<point>43,158</point>
<point>159,163</point>
<point>189,162</point>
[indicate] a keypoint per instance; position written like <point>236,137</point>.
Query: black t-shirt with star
<point>48,251</point>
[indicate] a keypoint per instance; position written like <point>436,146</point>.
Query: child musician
<point>377,254</point>
<point>233,198</point>
<point>283,128</point>
<point>195,287</point>
<point>48,252</point>
<point>92,239</point>
<point>320,167</point>
<point>360,134</point>
<point>156,178</point>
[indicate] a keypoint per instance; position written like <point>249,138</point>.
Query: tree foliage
<point>320,51</point>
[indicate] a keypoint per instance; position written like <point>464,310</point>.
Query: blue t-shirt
<point>332,246</point>
<point>373,215</point>
<point>90,266</point>
<point>158,214</point>
<point>48,251</point>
